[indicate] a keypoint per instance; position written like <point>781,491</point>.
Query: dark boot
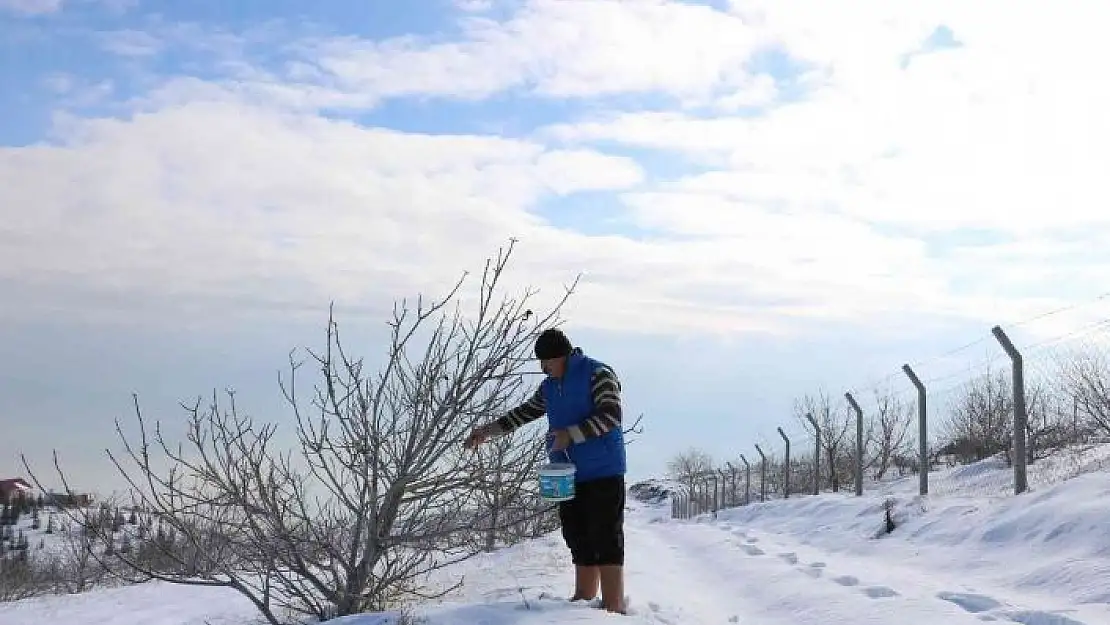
<point>612,589</point>
<point>587,579</point>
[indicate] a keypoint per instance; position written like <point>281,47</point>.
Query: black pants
<point>593,522</point>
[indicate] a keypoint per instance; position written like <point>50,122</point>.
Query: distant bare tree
<point>377,493</point>
<point>79,567</point>
<point>980,421</point>
<point>689,466</point>
<point>19,577</point>
<point>834,434</point>
<point>891,426</point>
<point>1085,382</point>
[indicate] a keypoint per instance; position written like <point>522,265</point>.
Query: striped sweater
<point>606,391</point>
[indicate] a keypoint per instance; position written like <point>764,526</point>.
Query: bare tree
<point>689,466</point>
<point>1085,382</point>
<point>507,466</point>
<point>19,577</point>
<point>78,566</point>
<point>377,493</point>
<point>834,434</point>
<point>891,426</point>
<point>980,421</point>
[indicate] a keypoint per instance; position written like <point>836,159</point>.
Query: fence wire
<point>1017,409</point>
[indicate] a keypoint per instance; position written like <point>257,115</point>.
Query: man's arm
<point>523,414</point>
<point>606,391</point>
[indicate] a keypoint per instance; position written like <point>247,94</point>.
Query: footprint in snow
<point>752,550</point>
<point>815,569</point>
<point>789,557</point>
<point>969,601</point>
<point>1040,617</point>
<point>879,592</point>
<point>847,580</point>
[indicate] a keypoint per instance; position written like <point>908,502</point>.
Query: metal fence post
<point>786,468</point>
<point>747,480</point>
<point>922,431</point>
<point>816,453</point>
<point>1021,418</point>
<point>859,443</point>
<point>732,470</point>
<point>762,475</point>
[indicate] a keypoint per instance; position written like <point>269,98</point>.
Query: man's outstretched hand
<point>479,435</point>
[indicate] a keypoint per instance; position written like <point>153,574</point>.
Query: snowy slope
<point>1039,559</point>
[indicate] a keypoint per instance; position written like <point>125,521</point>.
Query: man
<point>582,399</point>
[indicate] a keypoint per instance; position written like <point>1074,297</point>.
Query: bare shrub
<point>980,421</point>
<point>890,424</point>
<point>834,424</point>
<point>1085,385</point>
<point>76,565</point>
<point>377,493</point>
<point>507,467</point>
<point>690,466</point>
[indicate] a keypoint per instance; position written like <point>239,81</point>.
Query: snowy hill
<point>975,555</point>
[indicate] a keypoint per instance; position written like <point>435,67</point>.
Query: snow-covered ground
<point>1039,559</point>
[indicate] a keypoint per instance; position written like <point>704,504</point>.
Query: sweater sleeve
<point>606,390</point>
<point>529,411</point>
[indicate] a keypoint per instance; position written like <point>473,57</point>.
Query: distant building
<point>14,488</point>
<point>67,500</point>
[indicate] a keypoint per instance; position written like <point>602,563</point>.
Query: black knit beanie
<point>552,343</point>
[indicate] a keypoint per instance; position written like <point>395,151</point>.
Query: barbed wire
<point>976,375</point>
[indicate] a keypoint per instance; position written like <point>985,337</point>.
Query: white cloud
<point>813,209</point>
<point>134,43</point>
<point>557,49</point>
<point>32,7</point>
<point>1004,134</point>
<point>219,197</point>
<point>474,6</point>
<point>47,7</point>
<point>236,205</point>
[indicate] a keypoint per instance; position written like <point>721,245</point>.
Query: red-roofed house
<point>14,488</point>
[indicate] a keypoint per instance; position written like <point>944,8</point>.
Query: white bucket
<point>557,481</point>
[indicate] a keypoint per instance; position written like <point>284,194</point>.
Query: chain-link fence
<point>1017,409</point>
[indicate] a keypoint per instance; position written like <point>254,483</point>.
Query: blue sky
<point>763,205</point>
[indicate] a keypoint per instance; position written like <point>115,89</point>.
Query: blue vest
<point>570,402</point>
